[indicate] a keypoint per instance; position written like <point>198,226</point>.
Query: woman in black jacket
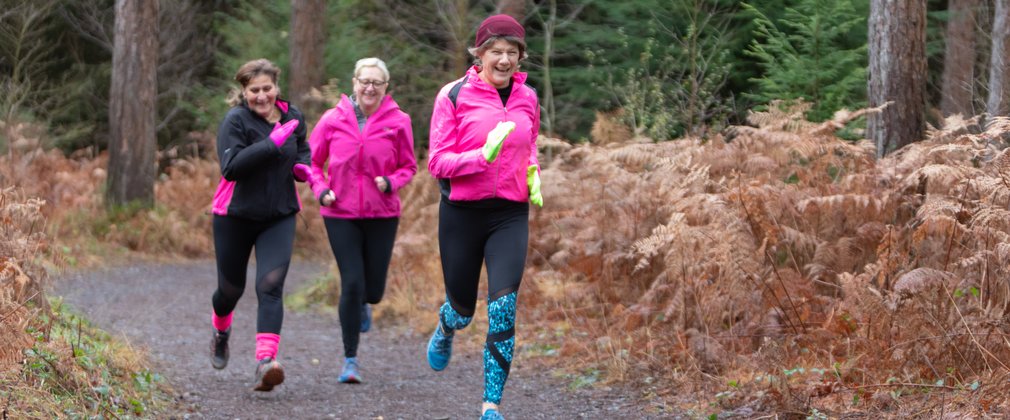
<point>262,150</point>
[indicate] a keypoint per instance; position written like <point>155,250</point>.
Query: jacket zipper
<point>497,171</point>
<point>361,168</point>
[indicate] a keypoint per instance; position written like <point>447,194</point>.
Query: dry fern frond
<point>963,151</point>
<point>940,178</point>
<point>953,127</point>
<point>1003,251</point>
<point>552,143</point>
<point>920,280</point>
<point>939,206</point>
<point>991,191</point>
<point>990,218</point>
<point>1000,164</point>
<point>840,201</point>
<point>634,157</point>
<point>663,234</point>
<point>798,239</point>
<point>782,115</point>
<point>997,127</point>
<point>842,117</point>
<point>938,226</point>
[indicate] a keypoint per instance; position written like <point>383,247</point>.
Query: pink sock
<point>220,322</point>
<point>266,345</point>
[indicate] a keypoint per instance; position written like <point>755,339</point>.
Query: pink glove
<point>302,172</point>
<point>282,132</point>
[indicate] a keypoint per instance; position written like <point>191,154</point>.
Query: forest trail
<point>165,309</point>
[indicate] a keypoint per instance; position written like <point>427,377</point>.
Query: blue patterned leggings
<point>469,237</point>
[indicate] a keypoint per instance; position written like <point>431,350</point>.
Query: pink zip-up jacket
<point>384,148</point>
<point>459,132</point>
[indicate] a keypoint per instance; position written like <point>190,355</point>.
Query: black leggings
<point>469,237</point>
<point>234,240</point>
<point>363,248</point>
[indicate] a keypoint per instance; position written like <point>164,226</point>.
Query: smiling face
<point>261,95</point>
<point>369,88</point>
<point>498,62</point>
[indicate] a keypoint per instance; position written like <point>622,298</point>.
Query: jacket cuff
<point>319,197</point>
<point>389,185</point>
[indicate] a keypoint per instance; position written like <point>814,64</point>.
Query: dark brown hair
<point>247,72</point>
<point>255,68</point>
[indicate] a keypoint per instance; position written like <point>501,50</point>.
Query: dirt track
<point>165,309</point>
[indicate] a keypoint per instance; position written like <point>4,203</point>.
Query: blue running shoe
<point>439,348</point>
<point>350,374</point>
<point>366,317</point>
<point>491,414</point>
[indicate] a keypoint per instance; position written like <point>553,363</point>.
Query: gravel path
<point>165,309</point>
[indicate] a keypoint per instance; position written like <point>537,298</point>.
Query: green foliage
<point>666,71</point>
<point>589,54</point>
<point>814,53</point>
<point>98,377</point>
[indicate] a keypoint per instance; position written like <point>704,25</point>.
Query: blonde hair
<point>371,62</point>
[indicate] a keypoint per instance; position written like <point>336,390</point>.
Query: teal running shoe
<point>350,374</point>
<point>439,348</point>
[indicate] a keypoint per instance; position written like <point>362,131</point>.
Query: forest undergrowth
<point>772,268</point>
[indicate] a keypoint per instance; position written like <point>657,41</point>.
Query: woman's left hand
<point>381,184</point>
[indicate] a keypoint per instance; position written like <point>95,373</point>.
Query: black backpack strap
<point>443,184</point>
<point>454,91</point>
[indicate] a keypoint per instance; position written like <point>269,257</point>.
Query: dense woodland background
<point>793,207</point>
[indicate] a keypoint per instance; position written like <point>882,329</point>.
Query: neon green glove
<point>496,138</point>
<point>533,181</point>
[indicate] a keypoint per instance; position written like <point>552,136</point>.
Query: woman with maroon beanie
<point>483,152</point>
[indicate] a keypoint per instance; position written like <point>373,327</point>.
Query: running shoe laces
<point>350,374</point>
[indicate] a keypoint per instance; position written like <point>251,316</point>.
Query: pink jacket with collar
<point>384,148</point>
<point>459,132</point>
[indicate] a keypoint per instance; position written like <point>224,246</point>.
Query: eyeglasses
<point>373,83</point>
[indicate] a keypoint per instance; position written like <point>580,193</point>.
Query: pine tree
<point>810,55</point>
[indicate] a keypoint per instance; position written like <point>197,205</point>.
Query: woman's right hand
<point>495,139</point>
<point>327,198</point>
<point>282,132</point>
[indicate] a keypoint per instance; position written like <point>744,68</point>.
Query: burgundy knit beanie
<point>499,25</point>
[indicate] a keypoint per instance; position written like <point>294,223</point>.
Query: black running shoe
<point>269,374</point>
<point>219,348</point>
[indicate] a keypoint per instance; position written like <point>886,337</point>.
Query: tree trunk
<point>549,26</point>
<point>897,37</point>
<point>514,8</point>
<point>308,39</point>
<point>132,104</point>
<point>999,86</point>
<point>959,59</point>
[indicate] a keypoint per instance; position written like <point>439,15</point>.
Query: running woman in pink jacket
<point>369,144</point>
<point>262,148</point>
<point>483,152</point>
